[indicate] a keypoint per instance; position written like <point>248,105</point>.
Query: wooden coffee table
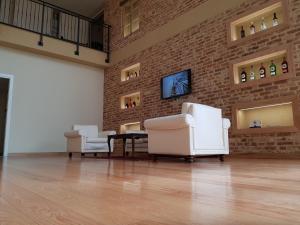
<point>124,137</point>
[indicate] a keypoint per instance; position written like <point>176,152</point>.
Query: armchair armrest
<point>72,134</point>
<point>226,123</point>
<point>106,133</point>
<point>170,122</point>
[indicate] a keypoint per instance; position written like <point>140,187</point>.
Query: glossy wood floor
<point>57,191</point>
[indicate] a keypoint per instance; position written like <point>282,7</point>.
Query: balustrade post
<point>40,43</point>
<point>78,37</point>
<point>107,60</point>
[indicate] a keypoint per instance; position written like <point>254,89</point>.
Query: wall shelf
<point>130,73</point>
<point>257,60</point>
<point>130,126</point>
<point>279,115</point>
<point>130,101</point>
<point>257,16</point>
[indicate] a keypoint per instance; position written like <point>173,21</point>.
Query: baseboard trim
<point>37,154</point>
<point>290,156</point>
<point>265,155</point>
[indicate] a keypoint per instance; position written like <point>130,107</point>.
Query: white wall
<point>49,97</point>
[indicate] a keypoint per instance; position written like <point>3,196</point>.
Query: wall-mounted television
<point>176,85</point>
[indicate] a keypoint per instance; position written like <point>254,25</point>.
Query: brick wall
<point>153,14</point>
<point>204,49</point>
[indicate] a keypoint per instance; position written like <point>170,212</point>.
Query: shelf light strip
<point>135,123</point>
<point>266,106</point>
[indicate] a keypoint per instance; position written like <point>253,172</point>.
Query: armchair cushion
<point>170,122</point>
<point>95,146</point>
<point>96,140</point>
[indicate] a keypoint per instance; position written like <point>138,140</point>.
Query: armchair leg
<point>95,154</point>
<point>82,154</point>
<point>221,158</point>
<point>70,155</point>
<point>189,159</point>
<point>154,158</point>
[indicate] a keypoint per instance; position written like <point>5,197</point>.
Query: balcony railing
<point>49,20</point>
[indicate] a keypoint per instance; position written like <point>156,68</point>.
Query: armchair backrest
<point>208,132</point>
<point>90,131</point>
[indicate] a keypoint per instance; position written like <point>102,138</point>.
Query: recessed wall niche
<point>131,72</point>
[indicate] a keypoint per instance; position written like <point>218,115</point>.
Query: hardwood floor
<point>239,191</point>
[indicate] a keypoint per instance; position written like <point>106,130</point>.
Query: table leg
<point>109,147</point>
<point>124,147</point>
<point>133,146</point>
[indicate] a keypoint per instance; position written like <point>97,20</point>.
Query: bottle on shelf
<point>284,66</point>
<point>126,105</point>
<point>130,103</point>
<point>243,76</point>
<point>262,71</point>
<point>252,28</point>
<point>263,25</point>
<point>134,104</point>
<point>273,71</point>
<point>275,20</point>
<point>243,33</point>
<point>127,76</point>
<point>131,75</point>
<point>252,73</point>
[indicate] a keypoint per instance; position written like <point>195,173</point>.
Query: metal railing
<point>49,20</point>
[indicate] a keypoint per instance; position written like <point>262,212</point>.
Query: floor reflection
<point>237,191</point>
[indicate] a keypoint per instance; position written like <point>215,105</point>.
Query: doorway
<point>4,87</point>
<point>5,105</point>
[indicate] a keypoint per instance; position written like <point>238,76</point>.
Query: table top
<point>128,135</point>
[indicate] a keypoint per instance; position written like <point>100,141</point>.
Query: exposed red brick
<point>204,49</point>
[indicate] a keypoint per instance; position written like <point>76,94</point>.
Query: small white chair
<point>87,139</point>
<point>198,130</point>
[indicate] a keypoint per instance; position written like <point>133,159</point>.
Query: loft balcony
<point>48,29</point>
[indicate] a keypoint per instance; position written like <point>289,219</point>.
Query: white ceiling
<point>88,8</point>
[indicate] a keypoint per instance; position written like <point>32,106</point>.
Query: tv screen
<point>175,85</point>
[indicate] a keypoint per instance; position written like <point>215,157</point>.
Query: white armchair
<point>199,130</point>
<point>87,139</point>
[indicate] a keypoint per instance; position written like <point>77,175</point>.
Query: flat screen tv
<point>176,85</point>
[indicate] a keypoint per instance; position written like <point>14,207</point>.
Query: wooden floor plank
<point>56,190</point>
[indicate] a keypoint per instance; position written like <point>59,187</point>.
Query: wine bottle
<point>130,103</point>
<point>131,75</point>
<point>262,71</point>
<point>263,25</point>
<point>243,76</point>
<point>134,104</point>
<point>275,20</point>
<point>252,28</point>
<point>285,66</point>
<point>243,33</point>
<point>273,71</point>
<point>252,73</point>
